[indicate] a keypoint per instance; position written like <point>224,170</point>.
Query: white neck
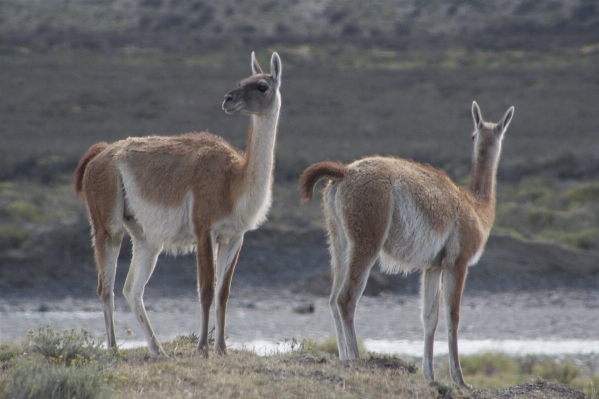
<point>260,153</point>
<point>261,145</point>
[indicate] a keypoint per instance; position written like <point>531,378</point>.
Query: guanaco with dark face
<point>179,194</point>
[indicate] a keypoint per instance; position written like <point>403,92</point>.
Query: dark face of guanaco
<point>256,94</point>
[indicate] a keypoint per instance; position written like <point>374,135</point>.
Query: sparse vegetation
<point>39,379</point>
<point>566,213</point>
<point>496,370</point>
<point>563,212</point>
<point>55,365</point>
<point>29,208</point>
<point>39,368</point>
<point>65,347</point>
<point>78,72</point>
<point>329,345</point>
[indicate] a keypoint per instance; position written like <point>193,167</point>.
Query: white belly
<point>411,242</point>
<point>167,227</point>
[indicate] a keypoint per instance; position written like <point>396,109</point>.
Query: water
<point>512,324</point>
<point>415,348</point>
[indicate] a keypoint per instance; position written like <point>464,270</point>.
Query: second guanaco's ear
<point>255,66</point>
<point>505,121</point>
<point>276,69</point>
<point>477,117</point>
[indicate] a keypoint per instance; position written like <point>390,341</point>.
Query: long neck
<point>259,153</point>
<point>482,184</point>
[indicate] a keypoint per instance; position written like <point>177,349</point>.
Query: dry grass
<point>243,374</point>
<point>58,364</point>
<point>64,361</point>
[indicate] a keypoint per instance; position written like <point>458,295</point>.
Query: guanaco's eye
<point>473,135</point>
<point>262,88</point>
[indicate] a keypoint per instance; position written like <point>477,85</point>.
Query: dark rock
<point>304,308</point>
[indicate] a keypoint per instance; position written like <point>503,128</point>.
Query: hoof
<point>158,353</point>
<point>162,355</point>
<point>202,352</point>
<point>220,351</point>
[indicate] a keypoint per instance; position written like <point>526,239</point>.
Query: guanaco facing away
<point>412,217</point>
<point>179,194</point>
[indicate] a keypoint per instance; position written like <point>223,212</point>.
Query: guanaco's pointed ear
<point>505,121</point>
<point>276,68</point>
<point>255,66</point>
<point>477,116</point>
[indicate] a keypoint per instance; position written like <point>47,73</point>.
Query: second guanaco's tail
<point>322,170</point>
<point>91,153</point>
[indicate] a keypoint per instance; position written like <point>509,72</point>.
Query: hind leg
<point>356,277</point>
<point>338,246</point>
<point>105,205</point>
<point>106,252</point>
<point>338,275</point>
<point>143,262</point>
<point>362,227</point>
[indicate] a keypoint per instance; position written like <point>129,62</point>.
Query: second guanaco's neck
<point>482,184</point>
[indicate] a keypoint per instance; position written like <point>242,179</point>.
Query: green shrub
<point>527,363</point>
<point>22,210</point>
<point>192,338</point>
<point>563,373</point>
<point>488,363</point>
<point>542,210</point>
<point>8,352</point>
<point>583,194</point>
<point>486,370</point>
<point>574,220</point>
<point>540,218</point>
<point>329,345</point>
<point>12,236</point>
<point>587,239</point>
<point>496,370</point>
<point>590,386</point>
<point>65,346</point>
<point>533,190</point>
<point>39,379</point>
<point>56,364</point>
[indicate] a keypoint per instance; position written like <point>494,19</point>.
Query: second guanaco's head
<point>257,94</point>
<point>487,137</point>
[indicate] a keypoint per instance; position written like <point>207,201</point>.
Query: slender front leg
<point>228,253</point>
<point>453,287</point>
<point>205,259</point>
<point>431,279</point>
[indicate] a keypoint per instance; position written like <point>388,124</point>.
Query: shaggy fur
<point>411,217</point>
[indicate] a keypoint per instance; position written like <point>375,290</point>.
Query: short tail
<point>93,152</point>
<point>322,170</point>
